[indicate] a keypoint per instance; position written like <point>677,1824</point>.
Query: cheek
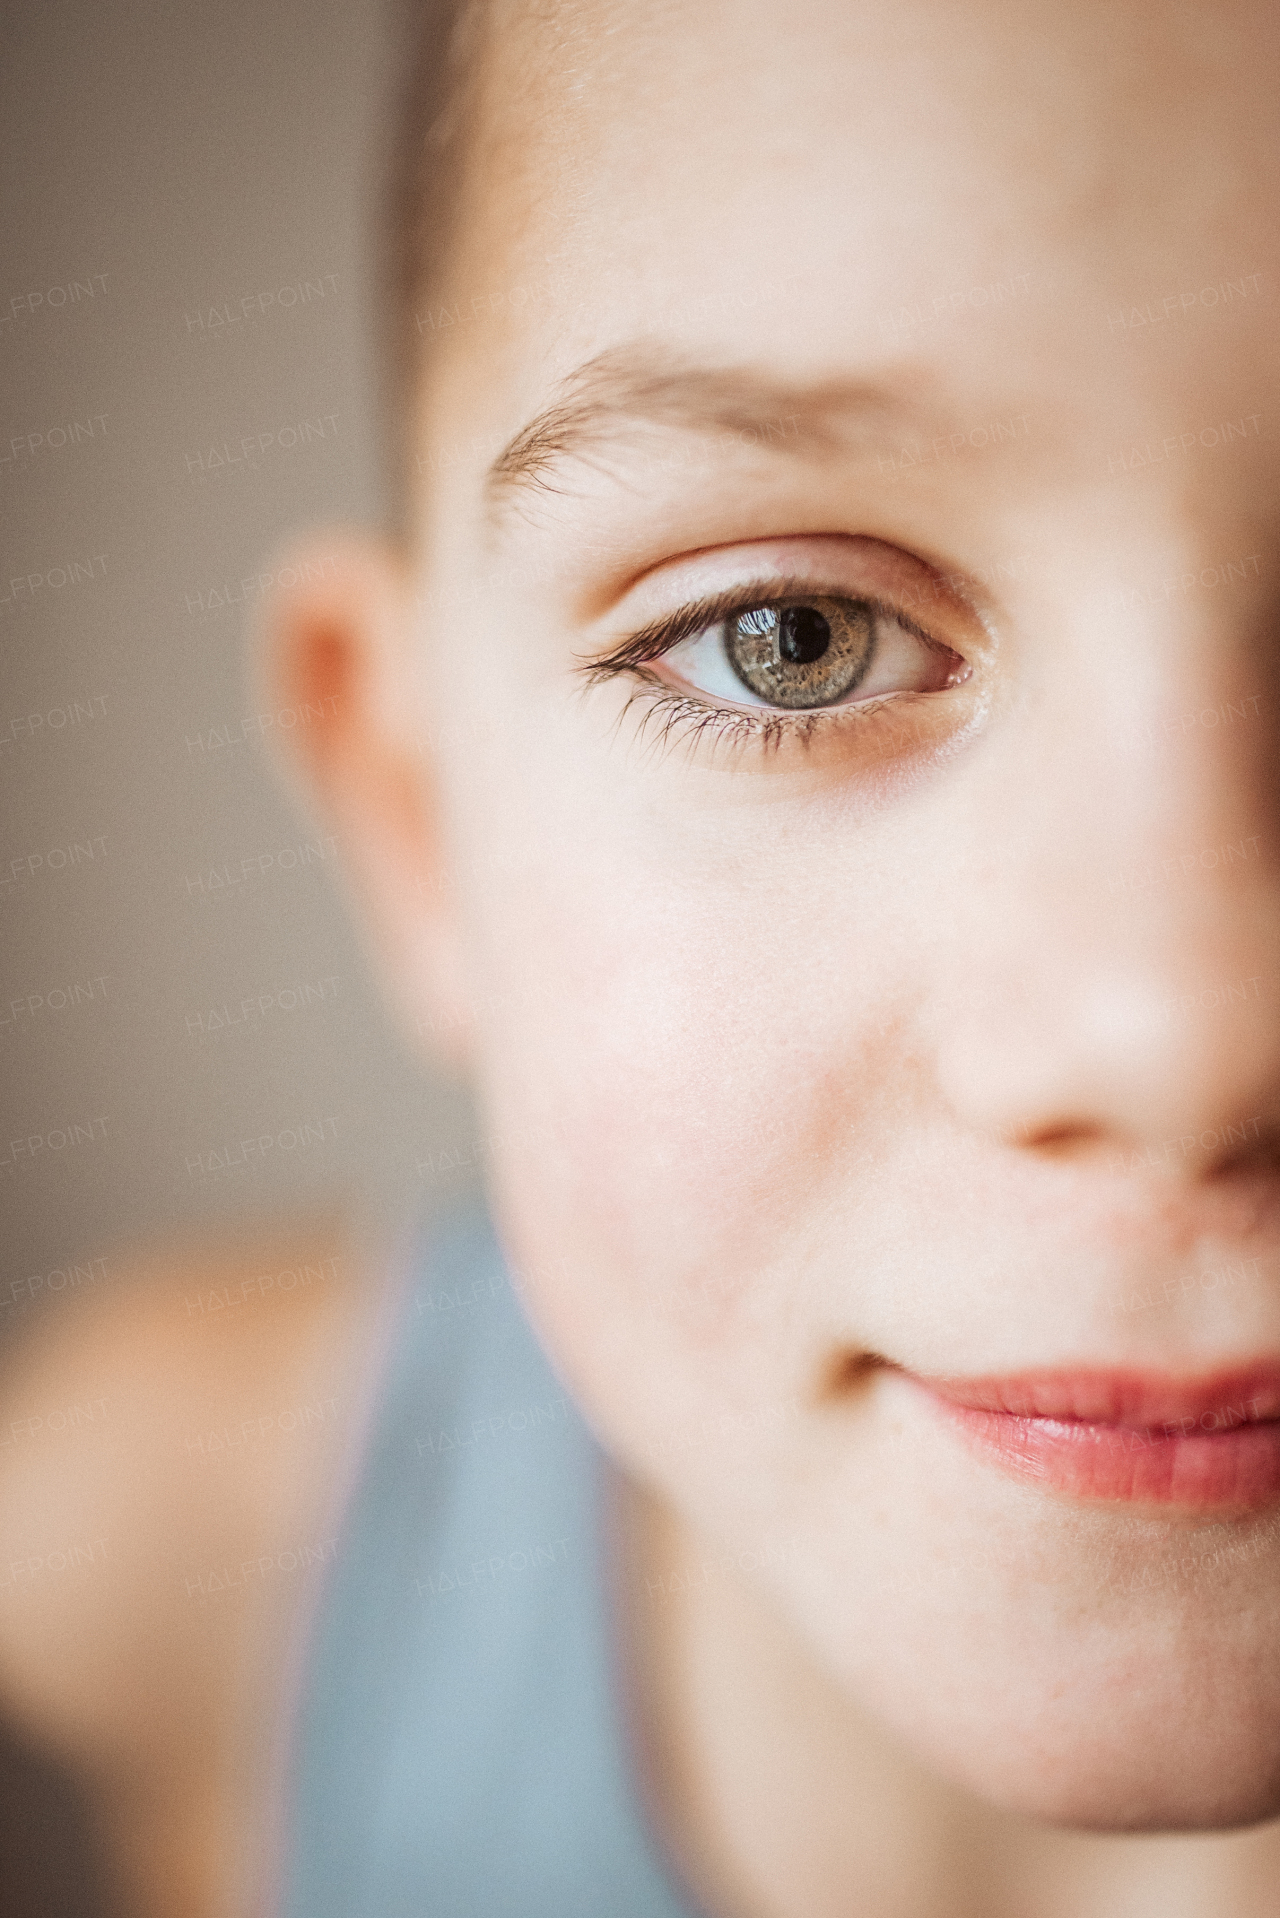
<point>689,1050</point>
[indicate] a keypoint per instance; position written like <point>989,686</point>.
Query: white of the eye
<point>703,664</point>
<point>902,663</point>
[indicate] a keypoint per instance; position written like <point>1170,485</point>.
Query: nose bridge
<point>1127,987</point>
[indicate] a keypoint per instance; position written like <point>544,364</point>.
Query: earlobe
<point>335,650</point>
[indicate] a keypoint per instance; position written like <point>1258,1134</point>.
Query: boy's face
<point>942,1027</point>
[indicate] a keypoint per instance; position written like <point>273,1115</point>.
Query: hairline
<point>444,46</point>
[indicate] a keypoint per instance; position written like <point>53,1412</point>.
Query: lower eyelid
<point>669,716</point>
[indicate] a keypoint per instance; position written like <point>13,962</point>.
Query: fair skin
<point>805,1052</point>
<point>152,1578</point>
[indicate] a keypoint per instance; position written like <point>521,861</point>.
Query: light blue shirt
<point>459,1750</point>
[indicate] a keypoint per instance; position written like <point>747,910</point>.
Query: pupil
<point>803,635</point>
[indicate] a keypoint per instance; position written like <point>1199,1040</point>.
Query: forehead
<point>829,189</point>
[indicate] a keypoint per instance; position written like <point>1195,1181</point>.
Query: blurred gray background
<point>189,263</point>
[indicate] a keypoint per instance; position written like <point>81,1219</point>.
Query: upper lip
<point>1205,1402</point>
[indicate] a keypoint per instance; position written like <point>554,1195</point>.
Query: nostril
<point>1259,1159</point>
<point>1067,1139</point>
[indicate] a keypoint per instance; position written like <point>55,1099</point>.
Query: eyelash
<point>684,716</point>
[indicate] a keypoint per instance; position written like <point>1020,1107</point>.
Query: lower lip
<point>1202,1450</point>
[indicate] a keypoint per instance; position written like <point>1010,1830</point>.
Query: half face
<point>846,609</point>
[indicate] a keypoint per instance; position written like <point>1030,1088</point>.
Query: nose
<point>1115,990</point>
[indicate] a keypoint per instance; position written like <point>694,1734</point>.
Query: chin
<point>1137,1767</point>
<point>1135,1803</point>
<point>1158,1712</point>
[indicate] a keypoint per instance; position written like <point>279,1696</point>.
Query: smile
<point>1127,1436</point>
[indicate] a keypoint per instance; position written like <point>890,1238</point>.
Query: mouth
<point>1206,1442</point>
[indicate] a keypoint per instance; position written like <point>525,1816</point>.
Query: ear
<point>335,649</point>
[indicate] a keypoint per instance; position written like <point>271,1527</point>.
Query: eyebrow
<point>642,385</point>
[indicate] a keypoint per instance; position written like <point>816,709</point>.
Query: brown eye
<point>802,655</point>
<point>799,653</point>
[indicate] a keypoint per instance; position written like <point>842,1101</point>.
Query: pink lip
<point>1212,1440</point>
